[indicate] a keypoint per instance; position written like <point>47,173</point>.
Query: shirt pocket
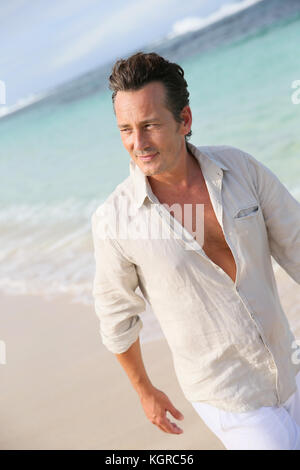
<point>250,227</point>
<point>247,211</point>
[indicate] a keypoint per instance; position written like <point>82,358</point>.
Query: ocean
<point>61,155</point>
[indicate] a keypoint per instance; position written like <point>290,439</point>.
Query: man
<point>210,282</point>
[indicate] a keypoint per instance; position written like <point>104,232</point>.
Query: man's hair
<point>140,69</point>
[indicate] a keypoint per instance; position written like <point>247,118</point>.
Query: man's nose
<point>139,141</point>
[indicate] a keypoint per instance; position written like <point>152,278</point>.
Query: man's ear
<point>186,115</point>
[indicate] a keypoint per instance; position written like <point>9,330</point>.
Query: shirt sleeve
<point>281,213</point>
<point>116,303</point>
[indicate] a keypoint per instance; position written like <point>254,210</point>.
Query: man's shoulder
<point>228,156</point>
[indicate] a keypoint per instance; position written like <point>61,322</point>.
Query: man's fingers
<point>156,407</point>
<point>167,426</point>
<point>170,430</point>
<point>174,412</point>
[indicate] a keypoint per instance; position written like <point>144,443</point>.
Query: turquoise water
<point>62,157</point>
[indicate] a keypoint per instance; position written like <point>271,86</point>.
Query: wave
<point>195,23</point>
<point>47,248</point>
<point>22,103</point>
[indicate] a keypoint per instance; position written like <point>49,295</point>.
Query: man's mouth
<point>149,157</point>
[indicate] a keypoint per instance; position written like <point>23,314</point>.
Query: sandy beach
<point>61,388</point>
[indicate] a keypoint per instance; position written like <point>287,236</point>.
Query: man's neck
<point>182,179</point>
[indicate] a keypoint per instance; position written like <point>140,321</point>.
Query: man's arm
<point>117,307</point>
<point>281,213</point>
<point>154,401</point>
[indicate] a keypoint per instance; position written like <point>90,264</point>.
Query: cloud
<point>193,23</point>
<point>123,24</point>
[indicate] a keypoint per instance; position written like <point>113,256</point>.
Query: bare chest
<point>196,213</point>
<point>207,230</point>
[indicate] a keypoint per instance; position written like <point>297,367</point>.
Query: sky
<point>45,43</point>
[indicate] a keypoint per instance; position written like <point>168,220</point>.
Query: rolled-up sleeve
<point>281,213</point>
<point>116,303</point>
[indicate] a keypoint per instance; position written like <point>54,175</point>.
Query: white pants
<point>267,428</point>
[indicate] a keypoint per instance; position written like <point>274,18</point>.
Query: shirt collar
<point>142,188</point>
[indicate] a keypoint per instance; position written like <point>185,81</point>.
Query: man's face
<point>147,127</point>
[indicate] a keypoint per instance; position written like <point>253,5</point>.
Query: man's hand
<point>156,404</point>
<point>154,401</point>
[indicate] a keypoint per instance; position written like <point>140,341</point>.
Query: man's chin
<point>149,168</point>
<point>150,172</point>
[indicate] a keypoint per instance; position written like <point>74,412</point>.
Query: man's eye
<point>124,130</point>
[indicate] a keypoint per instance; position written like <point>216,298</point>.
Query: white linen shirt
<point>231,342</point>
